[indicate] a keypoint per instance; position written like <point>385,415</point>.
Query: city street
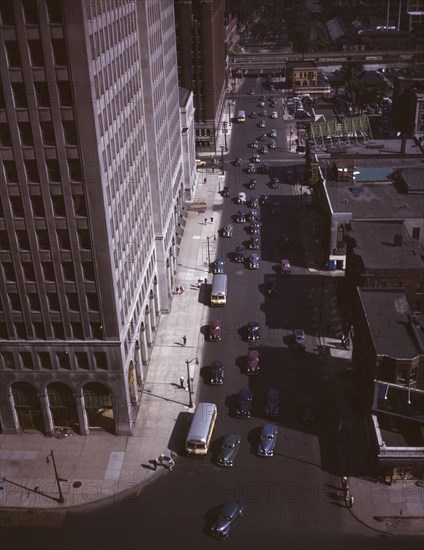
<point>293,499</point>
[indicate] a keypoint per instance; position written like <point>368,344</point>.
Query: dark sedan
<point>267,440</point>
<point>215,330</point>
<point>253,332</point>
<point>227,518</point>
<point>244,403</point>
<point>218,266</point>
<point>217,373</point>
<point>229,449</point>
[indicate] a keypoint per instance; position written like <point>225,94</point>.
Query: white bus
<point>219,290</point>
<point>200,432</point>
<point>241,116</point>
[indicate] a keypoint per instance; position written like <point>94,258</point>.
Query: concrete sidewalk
<point>103,466</point>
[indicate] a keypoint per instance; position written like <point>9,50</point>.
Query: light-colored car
<point>200,163</point>
<point>273,133</point>
<point>241,197</point>
<point>299,338</point>
<point>272,144</point>
<point>267,440</point>
<point>227,231</point>
<point>253,362</point>
<point>285,267</point>
<point>254,261</point>
<point>262,124</point>
<point>274,114</point>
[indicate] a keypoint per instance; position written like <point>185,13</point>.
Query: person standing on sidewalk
<point>184,340</point>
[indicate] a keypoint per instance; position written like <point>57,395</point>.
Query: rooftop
<point>387,313</point>
<point>376,244</point>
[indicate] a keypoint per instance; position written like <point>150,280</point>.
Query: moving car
<point>256,158</point>
<point>226,192</point>
<point>255,228</point>
<point>215,330</point>
<point>264,112</point>
<point>272,406</point>
<point>218,266</point>
<point>200,163</point>
<point>263,150</point>
<point>285,267</point>
<point>267,440</point>
<point>261,103</point>
<point>251,168</point>
<point>244,403</point>
<point>238,161</point>
<point>263,137</point>
<point>217,373</point>
<point>241,198</point>
<point>262,124</point>
<point>253,362</point>
<point>264,200</point>
<point>254,144</point>
<point>239,254</point>
<point>272,144</point>
<point>227,518</point>
<point>273,133</point>
<point>274,114</point>
<point>253,202</point>
<point>253,114</point>
<point>227,231</point>
<point>254,242</point>
<point>240,217</point>
<point>252,183</point>
<point>229,449</point>
<point>275,182</point>
<point>254,261</point>
<point>253,331</point>
<point>253,215</point>
<point>299,339</point>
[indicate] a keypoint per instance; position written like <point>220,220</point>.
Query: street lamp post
<point>61,500</point>
<point>222,159</point>
<point>229,112</point>
<point>190,401</point>
<point>224,131</point>
<point>209,250</point>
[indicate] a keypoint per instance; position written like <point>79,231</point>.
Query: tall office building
<point>91,190</point>
<point>202,65</point>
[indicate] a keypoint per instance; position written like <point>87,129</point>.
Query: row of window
<point>38,210</point>
<point>48,272</point>
<point>51,11</point>
<point>61,360</point>
<point>64,242</point>
<point>110,35</point>
<point>32,174</point>
<point>72,301</point>
<point>46,94</point>
<point>46,130</point>
<point>35,330</point>
<point>36,53</point>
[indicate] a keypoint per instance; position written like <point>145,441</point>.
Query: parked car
<point>273,133</point>
<point>264,112</point>
<point>251,168</point>
<point>240,217</point>
<point>264,200</point>
<point>229,449</point>
<point>252,183</point>
<point>200,163</point>
<point>226,192</point>
<point>244,403</point>
<point>263,150</point>
<point>227,518</point>
<point>299,339</point>
<point>254,242</point>
<point>215,330</point>
<point>256,158</point>
<point>254,261</point>
<point>261,103</point>
<point>263,137</point>
<point>253,362</point>
<point>285,267</point>
<point>253,331</point>
<point>272,144</point>
<point>241,198</point>
<point>262,124</point>
<point>227,231</point>
<point>253,114</point>
<point>272,406</point>
<point>254,144</point>
<point>238,161</point>
<point>239,255</point>
<point>217,373</point>
<point>267,440</point>
<point>218,266</point>
<point>274,114</point>
<point>255,228</point>
<point>275,183</point>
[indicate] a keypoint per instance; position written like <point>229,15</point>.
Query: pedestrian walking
<point>184,340</point>
<point>181,289</point>
<point>182,382</point>
<point>211,219</point>
<point>206,221</point>
<point>205,180</point>
<point>155,464</point>
<point>206,280</point>
<point>171,464</point>
<point>178,289</point>
<point>199,282</point>
<point>345,483</point>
